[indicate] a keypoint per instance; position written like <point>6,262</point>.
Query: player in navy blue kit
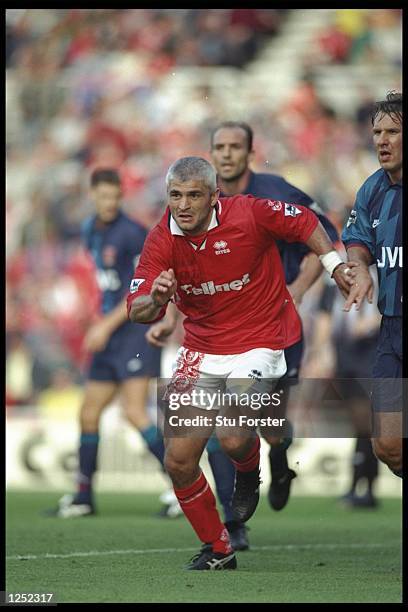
<point>373,233</point>
<point>232,152</point>
<point>122,360</point>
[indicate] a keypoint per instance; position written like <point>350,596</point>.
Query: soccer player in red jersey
<point>217,259</point>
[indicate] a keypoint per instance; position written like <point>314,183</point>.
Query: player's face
<point>107,199</point>
<point>191,204</point>
<point>230,153</point>
<point>387,135</point>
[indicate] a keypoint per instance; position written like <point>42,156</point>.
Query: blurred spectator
<point>19,386</point>
<point>62,399</point>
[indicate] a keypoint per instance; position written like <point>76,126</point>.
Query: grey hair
<point>192,168</point>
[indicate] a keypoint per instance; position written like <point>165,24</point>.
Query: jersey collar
<point>388,182</point>
<point>176,231</point>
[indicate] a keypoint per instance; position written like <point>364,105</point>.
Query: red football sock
<point>251,460</point>
<point>198,504</point>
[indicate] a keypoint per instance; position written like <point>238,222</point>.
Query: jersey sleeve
<point>358,231</point>
<point>300,197</point>
<point>155,257</point>
<point>283,220</point>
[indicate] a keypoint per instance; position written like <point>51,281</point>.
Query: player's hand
<point>362,287</point>
<point>164,287</point>
<point>96,338</point>
<point>343,275</point>
<point>159,332</point>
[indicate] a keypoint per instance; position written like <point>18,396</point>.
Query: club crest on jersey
<point>221,247</point>
<point>291,210</point>
<point>109,254</point>
<point>275,204</point>
<point>135,284</point>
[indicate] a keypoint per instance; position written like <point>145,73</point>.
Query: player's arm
<point>358,239</point>
<point>320,243</point>
<point>147,308</point>
<point>99,333</point>
<point>310,270</point>
<point>159,332</point>
<point>311,267</point>
<point>295,223</point>
<point>363,285</point>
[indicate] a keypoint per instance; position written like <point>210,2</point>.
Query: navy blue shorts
<point>293,357</point>
<point>387,370</point>
<point>127,355</point>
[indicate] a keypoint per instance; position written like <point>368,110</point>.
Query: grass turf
<point>312,551</point>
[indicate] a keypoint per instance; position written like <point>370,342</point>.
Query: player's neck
<point>395,177</point>
<point>238,185</point>
<point>101,224</point>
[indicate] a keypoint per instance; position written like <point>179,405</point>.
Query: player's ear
<point>251,156</point>
<point>215,196</point>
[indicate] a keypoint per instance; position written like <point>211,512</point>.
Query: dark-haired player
<point>373,234</point>
<point>122,360</point>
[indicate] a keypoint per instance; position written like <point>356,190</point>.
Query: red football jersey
<point>230,280</point>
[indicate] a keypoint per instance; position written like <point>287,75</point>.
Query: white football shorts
<point>206,377</point>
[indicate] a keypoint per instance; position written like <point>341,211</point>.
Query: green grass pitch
<point>312,551</point>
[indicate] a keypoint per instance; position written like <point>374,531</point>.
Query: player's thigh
<point>255,379</point>
<point>387,383</point>
<point>387,425</point>
<point>97,395</point>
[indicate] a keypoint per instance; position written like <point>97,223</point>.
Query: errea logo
<point>221,247</point>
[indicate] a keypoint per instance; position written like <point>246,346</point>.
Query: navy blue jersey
<point>276,187</point>
<point>376,223</point>
<point>115,248</point>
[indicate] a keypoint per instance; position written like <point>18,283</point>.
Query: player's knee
<point>89,418</point>
<point>272,440</point>
<point>235,447</point>
<point>179,468</point>
<point>389,451</point>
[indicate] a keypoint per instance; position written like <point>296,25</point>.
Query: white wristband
<point>330,261</point>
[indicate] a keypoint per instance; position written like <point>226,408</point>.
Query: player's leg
<point>137,363</point>
<point>134,394</point>
<point>387,443</point>
<point>244,453</point>
<point>281,474</point>
<point>196,497</point>
<point>387,396</point>
<point>224,476</point>
<point>364,464</point>
<point>97,395</point>
<point>253,375</point>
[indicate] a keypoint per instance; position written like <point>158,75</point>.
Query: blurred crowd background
<point>137,88</point>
